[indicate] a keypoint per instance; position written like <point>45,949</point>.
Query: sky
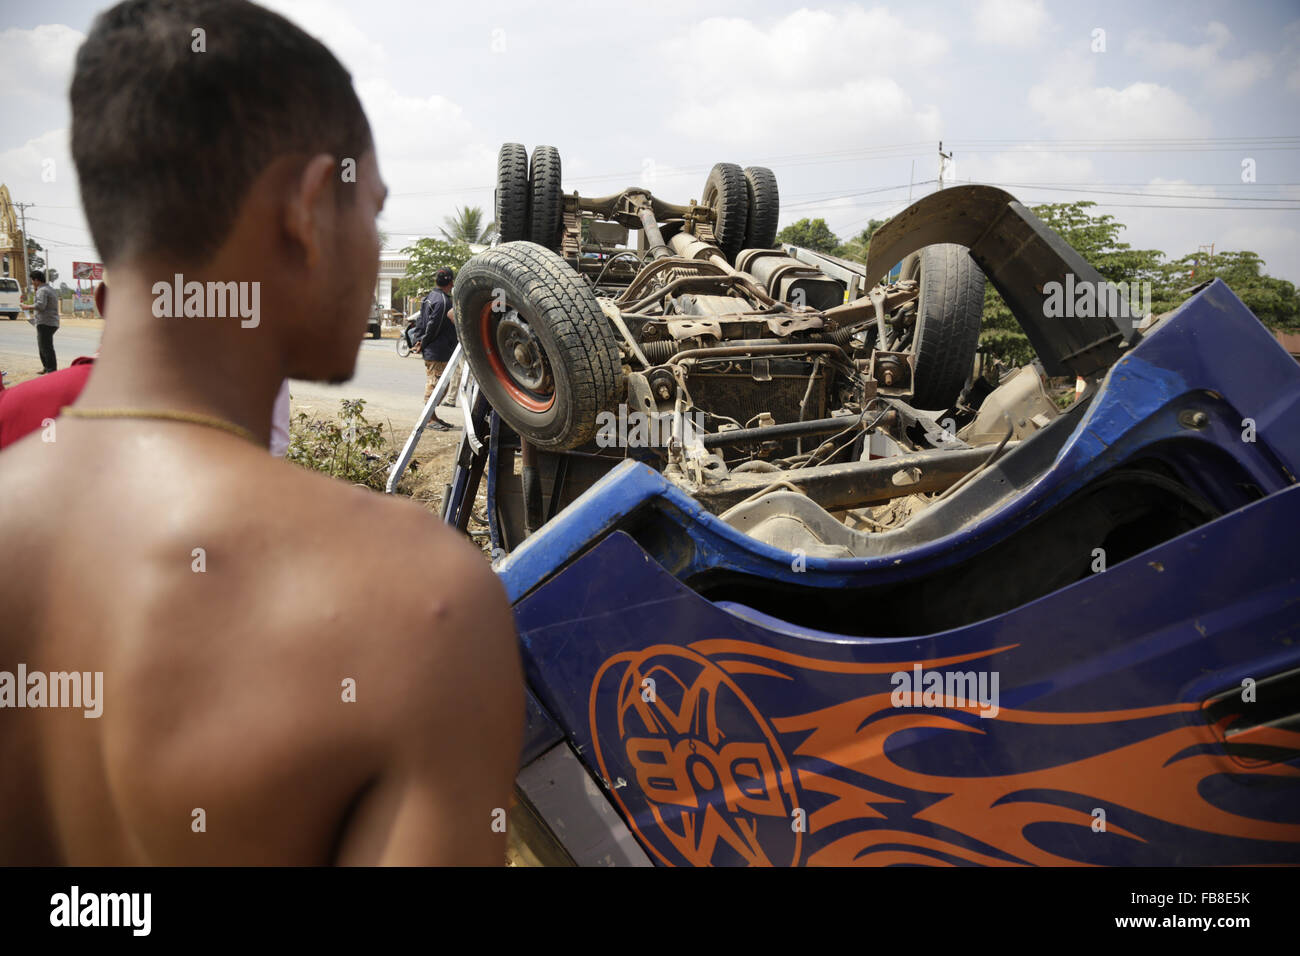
<point>1181,120</point>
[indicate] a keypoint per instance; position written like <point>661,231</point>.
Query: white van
<point>9,298</point>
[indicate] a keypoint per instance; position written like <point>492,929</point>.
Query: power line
<point>1122,205</point>
<point>866,192</point>
<point>1116,192</point>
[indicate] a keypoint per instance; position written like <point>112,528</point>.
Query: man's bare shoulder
<point>353,630</point>
<point>407,573</point>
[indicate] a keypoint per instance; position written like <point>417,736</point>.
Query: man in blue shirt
<point>435,336</point>
<point>46,320</point>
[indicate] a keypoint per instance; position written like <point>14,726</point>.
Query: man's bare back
<point>260,701</point>
<point>225,598</point>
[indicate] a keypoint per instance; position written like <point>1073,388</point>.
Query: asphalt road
<point>393,387</point>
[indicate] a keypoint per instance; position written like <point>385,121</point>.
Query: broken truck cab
<point>856,609</point>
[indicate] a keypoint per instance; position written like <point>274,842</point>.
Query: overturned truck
<point>795,585</point>
<point>726,364</point>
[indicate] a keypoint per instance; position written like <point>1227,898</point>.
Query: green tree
<point>810,234</point>
<point>1274,301</point>
<point>1096,238</point>
<point>468,226</point>
<point>856,248</point>
<point>427,257</point>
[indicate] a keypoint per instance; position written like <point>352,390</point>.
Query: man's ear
<point>305,213</point>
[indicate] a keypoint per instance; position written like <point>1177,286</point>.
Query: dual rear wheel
<point>746,205</point>
<point>529,201</point>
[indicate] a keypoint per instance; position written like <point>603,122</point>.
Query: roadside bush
<point>350,448</point>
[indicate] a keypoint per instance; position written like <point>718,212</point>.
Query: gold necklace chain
<point>193,418</point>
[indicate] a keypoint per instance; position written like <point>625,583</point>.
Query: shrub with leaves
<point>350,448</point>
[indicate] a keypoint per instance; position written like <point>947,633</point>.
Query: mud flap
<point>1020,255</point>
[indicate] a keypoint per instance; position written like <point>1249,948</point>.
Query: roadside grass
<point>352,448</point>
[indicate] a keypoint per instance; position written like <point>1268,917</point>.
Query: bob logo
<point>713,787</point>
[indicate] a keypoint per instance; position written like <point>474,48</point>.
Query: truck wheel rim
<point>516,358</point>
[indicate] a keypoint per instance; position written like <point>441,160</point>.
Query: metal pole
<point>27,264</point>
<point>942,157</point>
<point>439,392</point>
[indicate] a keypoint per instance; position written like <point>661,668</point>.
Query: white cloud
<point>426,147</point>
<point>1290,57</point>
<point>754,118</point>
<point>1011,23</point>
<point>39,57</point>
<point>801,77</point>
<point>802,47</point>
<point>1025,166</point>
<point>1273,239</point>
<point>38,71</point>
<point>334,25</point>
<point>1070,105</point>
<point>55,221</point>
<point>1219,73</point>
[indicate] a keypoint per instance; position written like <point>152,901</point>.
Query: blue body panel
<point>757,740</point>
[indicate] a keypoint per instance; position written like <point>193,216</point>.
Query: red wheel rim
<point>488,340</point>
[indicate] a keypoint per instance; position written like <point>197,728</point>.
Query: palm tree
<point>467,226</point>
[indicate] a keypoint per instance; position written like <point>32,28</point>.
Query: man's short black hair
<point>444,276</point>
<point>38,275</point>
<point>167,139</point>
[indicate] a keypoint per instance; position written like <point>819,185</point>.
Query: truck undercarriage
<point>737,369</point>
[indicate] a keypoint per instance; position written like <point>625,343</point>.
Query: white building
<point>392,267</point>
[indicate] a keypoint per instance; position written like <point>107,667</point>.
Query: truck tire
<point>764,208</point>
<point>948,316</point>
<point>547,204</point>
<point>727,194</point>
<point>511,196</point>
<point>538,343</point>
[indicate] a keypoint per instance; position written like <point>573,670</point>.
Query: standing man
<point>435,335</point>
<point>46,320</point>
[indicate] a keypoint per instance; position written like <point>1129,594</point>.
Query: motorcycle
<point>406,341</point>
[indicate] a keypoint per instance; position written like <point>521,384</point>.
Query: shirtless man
<point>260,703</point>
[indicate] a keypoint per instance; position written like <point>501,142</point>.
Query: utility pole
<point>1200,249</point>
<point>27,263</point>
<point>942,157</point>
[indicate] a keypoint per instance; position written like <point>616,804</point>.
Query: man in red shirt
<point>27,407</point>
